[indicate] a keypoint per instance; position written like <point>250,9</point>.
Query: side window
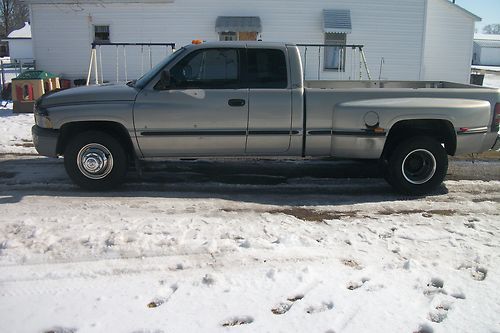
<point>267,69</point>
<point>101,33</point>
<point>207,69</point>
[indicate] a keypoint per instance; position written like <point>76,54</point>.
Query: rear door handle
<point>236,102</point>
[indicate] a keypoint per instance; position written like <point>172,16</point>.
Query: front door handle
<point>236,102</point>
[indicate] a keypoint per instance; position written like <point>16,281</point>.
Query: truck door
<point>202,113</point>
<point>270,101</point>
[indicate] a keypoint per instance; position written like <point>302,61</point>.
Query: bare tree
<point>13,13</point>
<point>492,29</point>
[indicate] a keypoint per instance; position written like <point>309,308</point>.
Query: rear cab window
<point>266,69</point>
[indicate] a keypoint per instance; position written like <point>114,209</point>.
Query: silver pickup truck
<point>237,99</point>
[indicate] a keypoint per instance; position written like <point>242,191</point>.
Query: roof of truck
<point>239,44</point>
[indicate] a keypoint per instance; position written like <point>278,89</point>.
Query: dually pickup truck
<point>250,99</point>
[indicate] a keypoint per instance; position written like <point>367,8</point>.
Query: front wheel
<point>417,166</point>
<point>95,161</point>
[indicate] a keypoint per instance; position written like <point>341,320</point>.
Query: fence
<point>10,69</point>
<point>124,61</point>
<point>334,62</point>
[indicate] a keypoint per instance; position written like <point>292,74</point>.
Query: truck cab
<point>226,99</point>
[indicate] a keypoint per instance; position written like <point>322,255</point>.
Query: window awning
<point>337,21</point>
<point>238,24</point>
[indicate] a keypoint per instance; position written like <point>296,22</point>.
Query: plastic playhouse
<point>29,86</point>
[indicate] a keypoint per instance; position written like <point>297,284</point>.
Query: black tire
<point>105,165</point>
<point>417,166</point>
<point>383,166</point>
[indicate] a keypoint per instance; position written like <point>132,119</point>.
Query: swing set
<point>349,60</point>
<point>146,58</point>
<point>349,64</point>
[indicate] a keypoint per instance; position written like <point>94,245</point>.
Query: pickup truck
<point>250,99</point>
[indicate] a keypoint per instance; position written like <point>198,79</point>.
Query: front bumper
<point>45,140</point>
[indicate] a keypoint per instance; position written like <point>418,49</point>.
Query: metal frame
<point>357,47</point>
<point>97,65</point>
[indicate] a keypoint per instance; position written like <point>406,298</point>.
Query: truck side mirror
<point>165,80</point>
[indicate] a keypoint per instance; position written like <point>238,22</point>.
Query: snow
<point>492,80</point>
<point>308,253</point>
<point>486,37</point>
<point>15,137</point>
<point>487,68</point>
<point>189,262</point>
<point>24,32</point>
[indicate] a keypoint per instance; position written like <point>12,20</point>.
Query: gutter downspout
<point>421,75</point>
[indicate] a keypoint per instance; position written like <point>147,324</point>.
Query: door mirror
<point>165,80</point>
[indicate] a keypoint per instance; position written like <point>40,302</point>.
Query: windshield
<point>143,80</point>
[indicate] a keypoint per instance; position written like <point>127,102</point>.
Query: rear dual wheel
<point>417,166</point>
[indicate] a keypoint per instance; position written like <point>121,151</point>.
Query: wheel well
<point>117,130</point>
<point>441,130</point>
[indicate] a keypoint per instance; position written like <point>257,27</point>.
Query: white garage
<point>20,44</point>
<point>486,50</point>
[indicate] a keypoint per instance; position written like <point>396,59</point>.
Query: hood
<point>89,94</point>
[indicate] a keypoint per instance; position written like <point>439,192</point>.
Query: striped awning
<point>337,21</point>
<point>238,24</point>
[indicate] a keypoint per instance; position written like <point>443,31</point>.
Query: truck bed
<point>327,84</point>
<point>336,113</point>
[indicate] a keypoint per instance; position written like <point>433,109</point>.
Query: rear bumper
<point>45,140</point>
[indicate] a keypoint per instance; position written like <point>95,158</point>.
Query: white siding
<point>389,28</point>
<point>20,49</point>
<point>448,46</point>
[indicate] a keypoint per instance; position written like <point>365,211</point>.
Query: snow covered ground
<point>492,80</point>
<point>15,135</point>
<point>271,247</point>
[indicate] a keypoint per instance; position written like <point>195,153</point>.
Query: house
<point>486,50</point>
<point>21,44</point>
<point>403,39</point>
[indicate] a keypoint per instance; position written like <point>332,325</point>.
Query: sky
<point>488,10</point>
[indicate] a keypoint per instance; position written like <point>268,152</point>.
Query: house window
<point>234,36</point>
<point>335,55</point>
<point>101,33</point>
<point>228,36</point>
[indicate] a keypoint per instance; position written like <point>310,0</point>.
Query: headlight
<point>43,121</point>
<point>42,117</point>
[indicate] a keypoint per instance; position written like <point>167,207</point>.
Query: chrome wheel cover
<point>94,161</point>
<point>419,166</point>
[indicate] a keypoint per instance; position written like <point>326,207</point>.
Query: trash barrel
<point>65,83</point>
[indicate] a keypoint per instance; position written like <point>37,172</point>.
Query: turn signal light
<point>196,41</point>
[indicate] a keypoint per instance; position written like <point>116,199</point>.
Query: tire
<point>417,166</point>
<point>95,161</point>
